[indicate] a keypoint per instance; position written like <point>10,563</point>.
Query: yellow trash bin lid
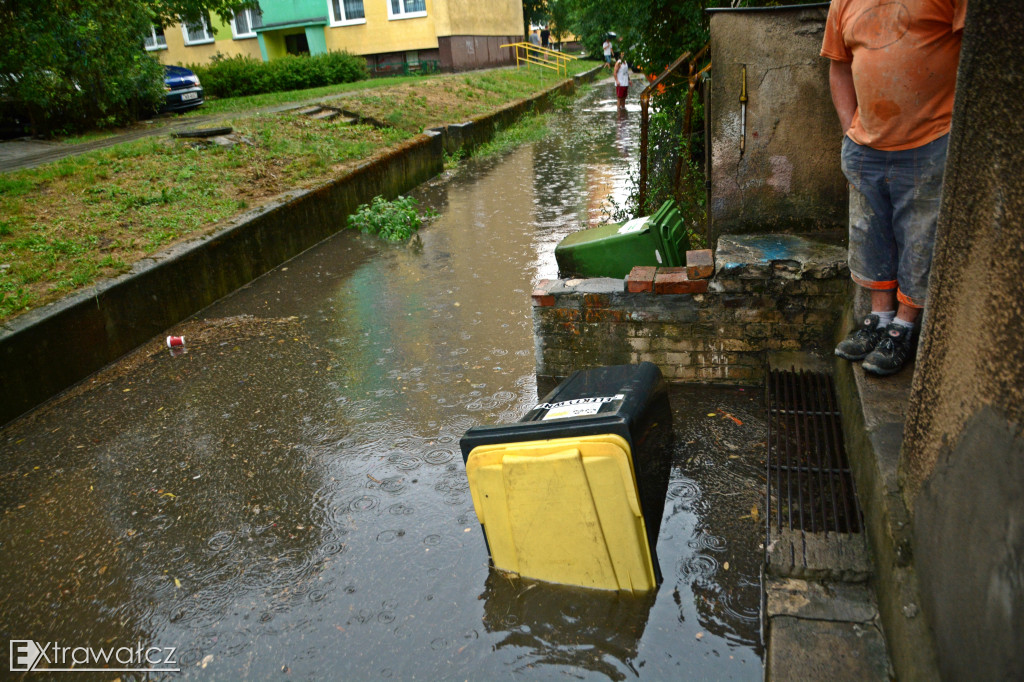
<point>564,510</point>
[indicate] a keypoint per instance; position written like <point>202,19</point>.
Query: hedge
<point>239,76</point>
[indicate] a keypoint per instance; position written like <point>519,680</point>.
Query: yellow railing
<point>528,53</point>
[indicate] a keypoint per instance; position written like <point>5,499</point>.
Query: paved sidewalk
<point>28,152</point>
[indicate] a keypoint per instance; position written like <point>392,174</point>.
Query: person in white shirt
<point>607,47</point>
<point>621,76</point>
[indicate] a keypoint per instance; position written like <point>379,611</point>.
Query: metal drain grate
<point>810,486</point>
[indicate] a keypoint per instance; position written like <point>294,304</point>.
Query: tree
<point>533,13</point>
<point>651,33</point>
<point>82,64</point>
<point>558,18</point>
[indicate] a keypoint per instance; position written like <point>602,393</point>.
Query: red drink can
<point>175,341</point>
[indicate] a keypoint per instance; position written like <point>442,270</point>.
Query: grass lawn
<point>66,224</point>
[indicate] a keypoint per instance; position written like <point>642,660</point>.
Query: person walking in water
<point>621,75</point>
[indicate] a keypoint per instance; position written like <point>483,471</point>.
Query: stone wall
<point>769,293</point>
<point>787,176</point>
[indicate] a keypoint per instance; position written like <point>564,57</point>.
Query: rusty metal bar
<point>794,397</point>
<point>645,96</point>
<point>852,516</point>
<point>834,469</point>
<point>644,126</point>
<point>769,397</point>
<point>806,451</point>
<point>789,458</point>
<point>813,469</point>
<point>810,400</point>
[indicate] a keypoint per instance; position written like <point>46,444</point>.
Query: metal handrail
<point>542,56</point>
<point>692,78</point>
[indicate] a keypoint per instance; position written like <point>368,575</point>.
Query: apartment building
<point>454,35</point>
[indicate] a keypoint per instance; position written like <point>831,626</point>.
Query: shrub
<point>226,76</point>
<point>240,76</point>
<point>393,221</point>
<point>70,67</point>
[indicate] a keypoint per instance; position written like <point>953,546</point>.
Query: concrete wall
<point>480,17</point>
<point>788,176</point>
<point>962,463</point>
<point>49,349</point>
<point>778,293</point>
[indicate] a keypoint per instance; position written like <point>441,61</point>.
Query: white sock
<point>903,323</point>
<point>884,317</point>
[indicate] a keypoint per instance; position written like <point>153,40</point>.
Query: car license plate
<point>189,95</point>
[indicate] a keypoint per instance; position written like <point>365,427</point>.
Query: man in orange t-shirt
<point>892,76</point>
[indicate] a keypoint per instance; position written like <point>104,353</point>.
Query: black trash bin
<point>574,492</point>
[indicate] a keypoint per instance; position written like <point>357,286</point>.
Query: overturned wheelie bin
<point>573,493</point>
<point>660,239</point>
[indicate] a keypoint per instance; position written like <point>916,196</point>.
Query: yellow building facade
<point>392,35</point>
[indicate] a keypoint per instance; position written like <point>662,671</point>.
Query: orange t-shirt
<point>905,55</point>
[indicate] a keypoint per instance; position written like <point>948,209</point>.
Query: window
<point>347,12</point>
<point>406,9</point>
<point>197,33</point>
<point>245,23</point>
<point>155,39</point>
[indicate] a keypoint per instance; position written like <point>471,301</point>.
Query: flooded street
<point>286,499</point>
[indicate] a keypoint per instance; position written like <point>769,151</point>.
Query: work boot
<point>861,340</point>
<point>892,350</point>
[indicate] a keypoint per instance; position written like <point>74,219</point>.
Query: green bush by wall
<point>238,76</point>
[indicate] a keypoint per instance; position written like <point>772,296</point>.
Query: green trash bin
<point>613,250</point>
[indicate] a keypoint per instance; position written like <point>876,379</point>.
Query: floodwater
<point>286,498</point>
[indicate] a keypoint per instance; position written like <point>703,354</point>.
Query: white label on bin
<point>580,407</point>
<point>634,225</point>
<point>657,254</point>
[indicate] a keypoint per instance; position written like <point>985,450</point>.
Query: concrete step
<point>819,556</point>
<point>326,114</point>
<point>821,631</point>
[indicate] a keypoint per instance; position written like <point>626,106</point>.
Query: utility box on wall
<point>774,163</point>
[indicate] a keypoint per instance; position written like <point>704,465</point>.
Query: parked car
<point>13,116</point>
<point>184,90</point>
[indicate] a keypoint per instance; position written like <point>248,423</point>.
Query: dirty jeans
<point>894,205</point>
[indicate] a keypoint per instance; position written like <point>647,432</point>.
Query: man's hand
<point>844,96</point>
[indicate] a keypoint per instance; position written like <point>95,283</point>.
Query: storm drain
<point>813,519</point>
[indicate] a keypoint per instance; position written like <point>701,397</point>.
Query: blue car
<point>183,89</point>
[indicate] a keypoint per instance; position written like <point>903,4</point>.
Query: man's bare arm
<point>844,96</point>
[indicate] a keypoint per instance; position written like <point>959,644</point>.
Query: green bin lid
<point>671,233</point>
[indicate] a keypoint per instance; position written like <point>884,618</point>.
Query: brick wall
<point>766,293</point>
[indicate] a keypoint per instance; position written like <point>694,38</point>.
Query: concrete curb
<point>873,412</point>
<point>47,350</point>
